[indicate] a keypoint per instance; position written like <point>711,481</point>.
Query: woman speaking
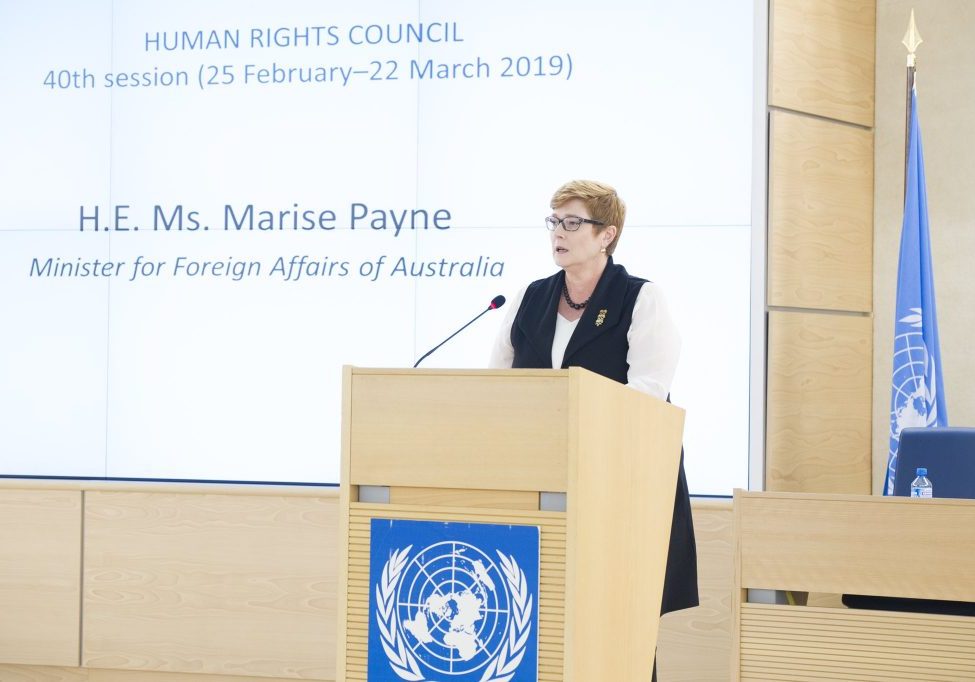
<point>593,314</point>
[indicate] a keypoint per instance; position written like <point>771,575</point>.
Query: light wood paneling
<point>820,246</point>
<point>853,544</point>
<point>483,499</point>
<point>822,58</point>
<point>818,419</point>
<point>27,673</point>
<point>820,243</point>
<point>99,675</point>
<point>618,526</point>
<point>858,544</point>
<point>285,490</point>
<point>37,673</point>
<point>347,494</point>
<point>694,645</point>
<point>221,584</point>
<point>551,612</point>
<point>806,643</point>
<point>394,445</point>
<point>40,576</point>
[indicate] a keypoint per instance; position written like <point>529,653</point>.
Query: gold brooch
<point>601,317</point>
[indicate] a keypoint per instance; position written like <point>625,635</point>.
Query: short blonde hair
<point>602,202</point>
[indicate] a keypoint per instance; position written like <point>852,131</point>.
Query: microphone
<point>495,303</point>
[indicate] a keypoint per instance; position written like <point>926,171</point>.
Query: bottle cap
<point>921,471</point>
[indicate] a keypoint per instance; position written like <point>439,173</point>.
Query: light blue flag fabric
<point>917,392</point>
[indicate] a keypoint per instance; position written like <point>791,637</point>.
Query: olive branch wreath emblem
<point>500,669</point>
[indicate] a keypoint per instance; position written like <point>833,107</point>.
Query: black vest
<point>602,349</point>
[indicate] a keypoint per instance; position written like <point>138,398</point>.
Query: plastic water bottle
<point>921,486</point>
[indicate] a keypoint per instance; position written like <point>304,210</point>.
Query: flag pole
<point>917,387</point>
<point>911,40</point>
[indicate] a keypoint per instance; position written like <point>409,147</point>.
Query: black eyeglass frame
<point>551,222</point>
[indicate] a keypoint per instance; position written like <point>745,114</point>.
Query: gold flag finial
<point>911,40</point>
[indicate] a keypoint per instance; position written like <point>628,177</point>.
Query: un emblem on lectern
<point>453,601</point>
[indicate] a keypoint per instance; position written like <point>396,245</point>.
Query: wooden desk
<point>896,547</point>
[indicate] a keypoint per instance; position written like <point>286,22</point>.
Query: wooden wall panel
<point>222,584</point>
<point>40,576</point>
<point>821,58</point>
<point>102,675</point>
<point>803,643</point>
<point>39,673</point>
<point>36,673</point>
<point>169,543</point>
<point>820,243</point>
<point>818,425</point>
<point>820,246</point>
<point>695,645</point>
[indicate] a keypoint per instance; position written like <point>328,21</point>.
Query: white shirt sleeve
<point>503,353</point>
<point>654,344</point>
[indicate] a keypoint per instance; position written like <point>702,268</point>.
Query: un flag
<point>917,392</point>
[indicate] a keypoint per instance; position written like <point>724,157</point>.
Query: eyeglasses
<point>571,223</point>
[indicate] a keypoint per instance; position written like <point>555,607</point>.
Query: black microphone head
<point>497,302</point>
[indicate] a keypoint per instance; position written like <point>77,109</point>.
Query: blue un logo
<point>453,601</point>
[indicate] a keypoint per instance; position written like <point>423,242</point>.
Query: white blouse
<point>653,339</point>
<point>563,332</point>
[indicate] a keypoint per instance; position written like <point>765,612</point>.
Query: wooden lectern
<point>485,446</point>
